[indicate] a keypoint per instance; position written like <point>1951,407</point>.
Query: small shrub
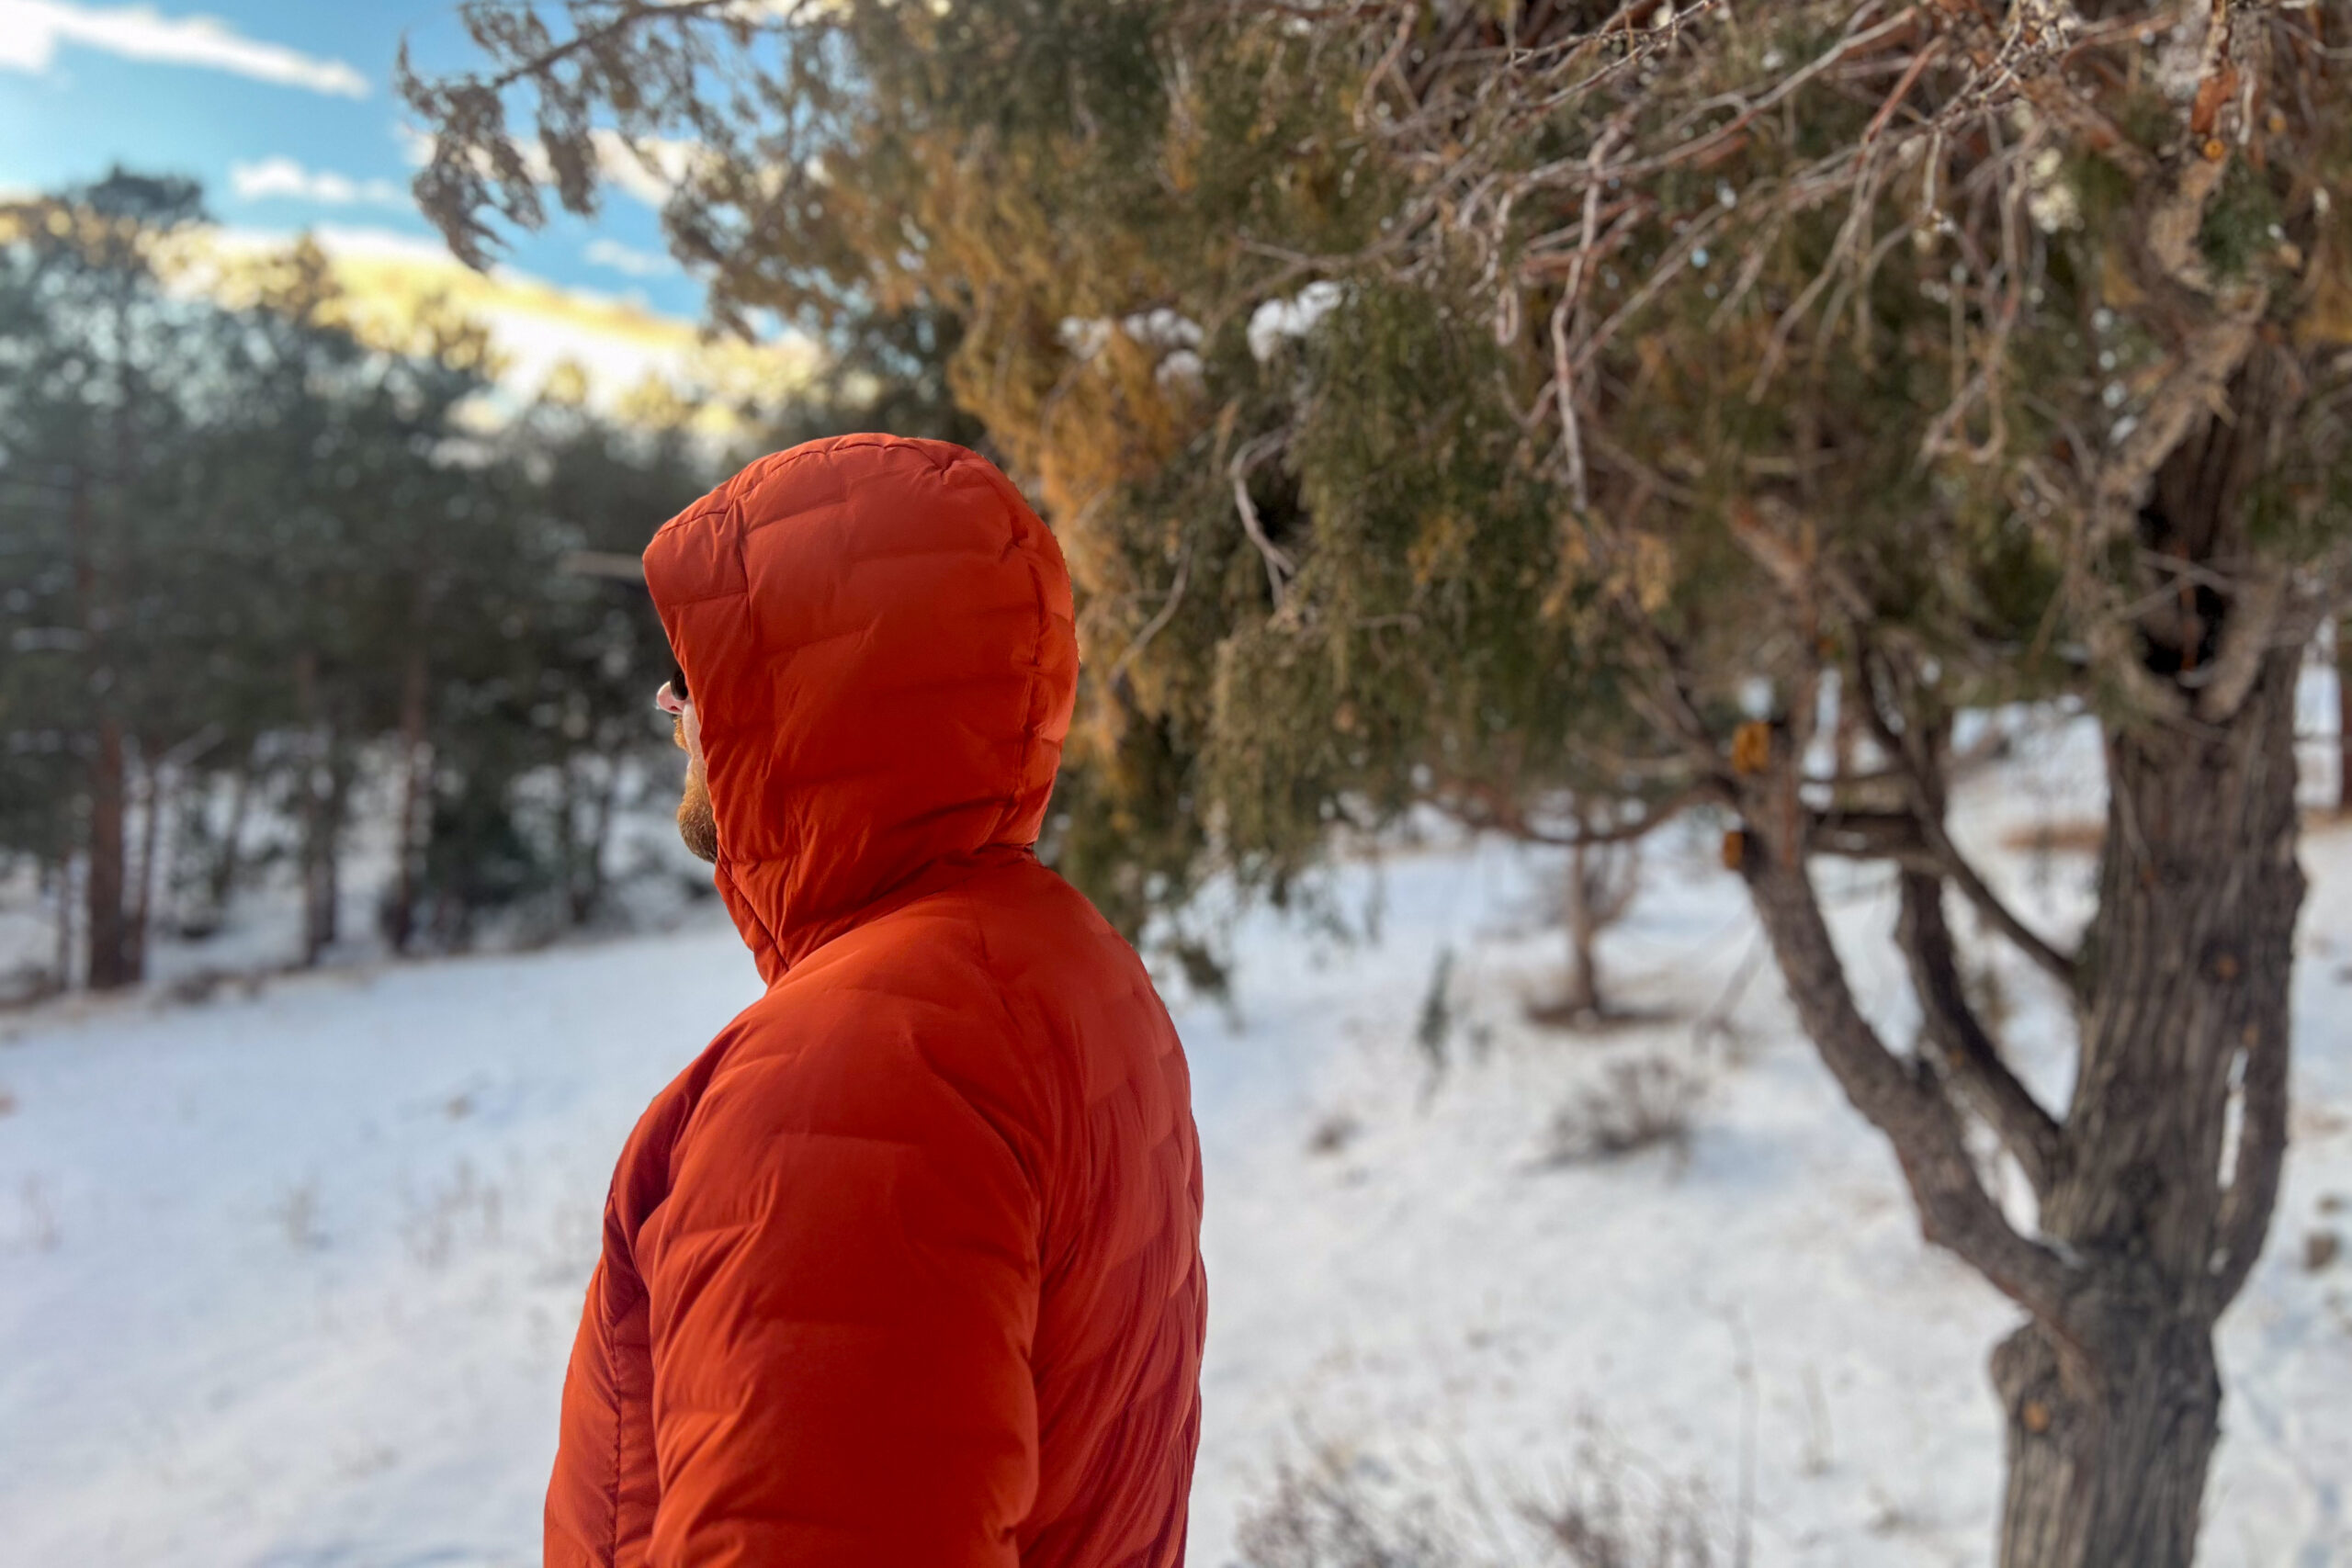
<point>1328,1515</point>
<point>298,1212</point>
<point>26,984</point>
<point>1639,1105</point>
<point>1435,1025</point>
<point>2321,1249</point>
<point>1340,1512</point>
<point>1333,1133</point>
<point>1604,1527</point>
<point>198,985</point>
<point>467,1204</point>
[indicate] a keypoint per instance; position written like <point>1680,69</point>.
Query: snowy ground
<point>288,1279</point>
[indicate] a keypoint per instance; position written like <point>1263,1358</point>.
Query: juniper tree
<point>1522,400</point>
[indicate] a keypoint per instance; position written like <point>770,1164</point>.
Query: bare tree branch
<point>1915,756</point>
<point>1966,1047</point>
<point>1908,1107</point>
<point>1280,567</point>
<point>1481,805</point>
<point>2058,965</point>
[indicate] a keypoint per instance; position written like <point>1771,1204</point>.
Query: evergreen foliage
<point>254,568</point>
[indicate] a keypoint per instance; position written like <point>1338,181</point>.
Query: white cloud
<point>536,325</point>
<point>283,177</point>
<point>31,30</point>
<point>621,258</point>
<point>658,166</point>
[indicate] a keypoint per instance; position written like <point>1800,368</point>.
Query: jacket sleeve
<point>843,1287</point>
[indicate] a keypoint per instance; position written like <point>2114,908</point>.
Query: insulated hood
<point>878,638</point>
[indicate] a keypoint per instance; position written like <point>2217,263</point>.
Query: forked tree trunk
<point>2156,1197</point>
<point>2184,992</point>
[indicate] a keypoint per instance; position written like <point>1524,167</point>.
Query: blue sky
<point>285,110</point>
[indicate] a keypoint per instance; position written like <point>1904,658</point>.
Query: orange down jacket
<point>903,1272</point>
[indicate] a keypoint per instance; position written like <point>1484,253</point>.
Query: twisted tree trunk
<point>2185,1013</point>
<point>2156,1188</point>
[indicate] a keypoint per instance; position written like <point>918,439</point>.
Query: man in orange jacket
<point>904,1271</point>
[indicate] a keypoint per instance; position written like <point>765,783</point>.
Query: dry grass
<point>1641,1104</point>
<point>38,1215</point>
<point>1346,1511</point>
<point>1329,1515</point>
<point>467,1209</point>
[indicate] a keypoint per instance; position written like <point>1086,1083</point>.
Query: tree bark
<point>2107,1462</point>
<point>2112,1424</point>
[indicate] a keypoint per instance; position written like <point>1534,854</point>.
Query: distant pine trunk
<point>2344,714</point>
<point>110,966</point>
<point>220,880</point>
<point>319,802</point>
<point>142,905</point>
<point>62,870</point>
<point>112,963</point>
<point>584,873</point>
<point>408,832</point>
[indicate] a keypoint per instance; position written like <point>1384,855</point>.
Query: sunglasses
<point>672,698</point>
